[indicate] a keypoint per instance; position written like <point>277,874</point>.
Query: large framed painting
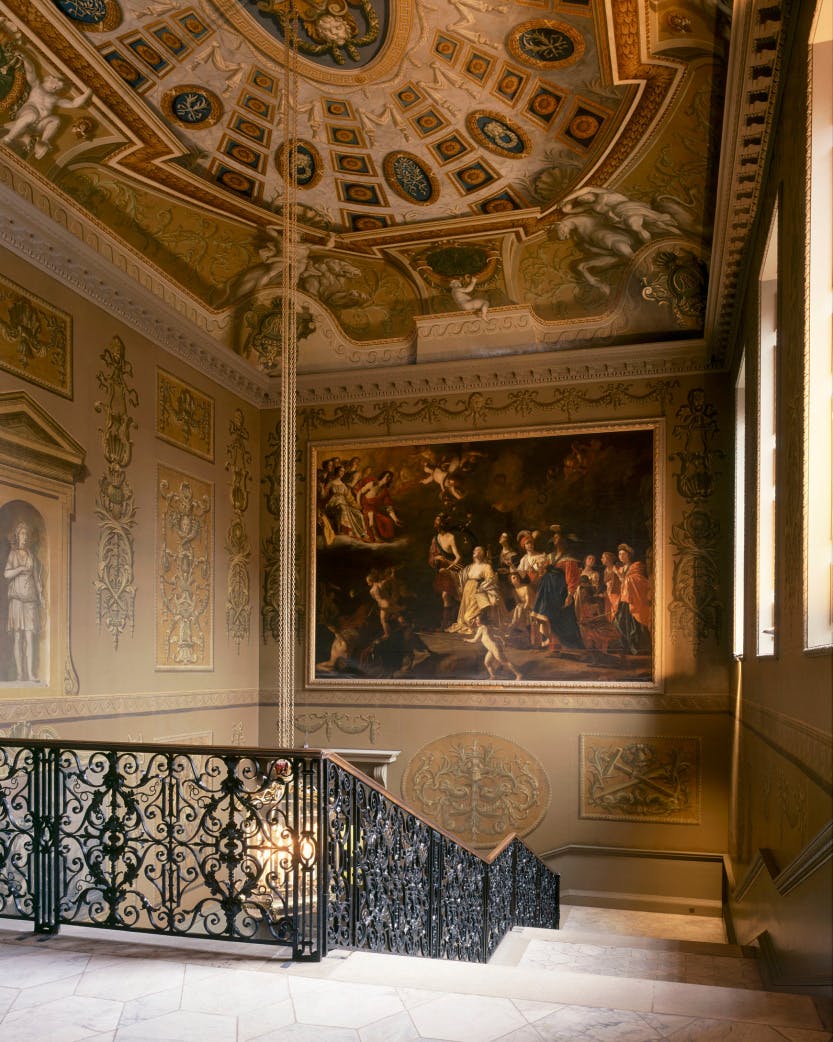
<point>512,560</point>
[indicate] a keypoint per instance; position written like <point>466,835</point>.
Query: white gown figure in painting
<point>25,595</point>
<point>463,298</point>
<point>36,122</point>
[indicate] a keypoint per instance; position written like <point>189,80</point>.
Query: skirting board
<point>642,902</point>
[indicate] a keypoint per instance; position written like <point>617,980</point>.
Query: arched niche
<point>40,464</point>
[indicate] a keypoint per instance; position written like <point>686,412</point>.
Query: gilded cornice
<point>754,72</point>
<point>43,230</point>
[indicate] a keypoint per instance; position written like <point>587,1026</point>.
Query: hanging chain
<point>289,369</point>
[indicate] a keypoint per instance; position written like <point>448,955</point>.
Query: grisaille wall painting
<point>24,600</point>
<point>184,416</point>
<point>478,786</point>
<point>35,339</point>
<point>514,559</point>
<point>185,548</point>
<point>640,778</point>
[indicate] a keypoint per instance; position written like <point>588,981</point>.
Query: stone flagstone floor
<point>88,987</point>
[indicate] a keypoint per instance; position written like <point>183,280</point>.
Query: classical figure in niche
<point>24,576</point>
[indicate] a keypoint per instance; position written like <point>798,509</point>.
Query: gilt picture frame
<point>510,561</point>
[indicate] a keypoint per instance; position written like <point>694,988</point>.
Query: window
<point>740,509</point>
<point>818,556</point>
<point>767,443</point>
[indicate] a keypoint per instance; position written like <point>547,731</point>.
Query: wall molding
<point>512,701</point>
<point>809,860</point>
<point>773,974</point>
<point>87,707</point>
<point>809,748</point>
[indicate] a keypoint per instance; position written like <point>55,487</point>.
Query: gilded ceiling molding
<point>753,78</point>
<point>238,547</point>
<point>40,228</point>
<point>92,707</point>
<point>114,506</point>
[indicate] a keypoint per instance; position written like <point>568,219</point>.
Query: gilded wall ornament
<point>35,339</point>
<point>184,416</point>
<point>115,507</point>
<point>696,608</point>
<point>697,426</point>
<point>184,581</point>
<point>638,778</point>
<point>679,281</point>
<point>478,786</point>
<point>238,548</point>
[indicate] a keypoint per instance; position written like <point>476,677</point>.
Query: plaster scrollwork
<point>478,786</point>
<point>115,508</point>
<point>312,723</point>
<point>696,606</point>
<point>238,547</point>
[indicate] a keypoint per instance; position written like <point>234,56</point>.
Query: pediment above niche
<point>31,440</point>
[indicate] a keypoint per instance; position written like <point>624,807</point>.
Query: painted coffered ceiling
<point>473,177</point>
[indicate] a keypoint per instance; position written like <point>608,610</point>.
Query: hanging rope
<point>289,369</point>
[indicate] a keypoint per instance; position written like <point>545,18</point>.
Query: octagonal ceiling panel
<point>555,160</point>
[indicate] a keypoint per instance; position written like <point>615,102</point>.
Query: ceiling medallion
<point>347,42</point>
<point>497,134</point>
<point>190,106</point>
<point>93,16</point>
<point>545,44</point>
<point>410,178</point>
<point>305,160</point>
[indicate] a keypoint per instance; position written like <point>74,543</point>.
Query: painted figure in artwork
<point>24,576</point>
<point>36,122</point>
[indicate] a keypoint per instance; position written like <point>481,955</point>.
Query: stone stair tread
<point>498,978</point>
<point>616,940</point>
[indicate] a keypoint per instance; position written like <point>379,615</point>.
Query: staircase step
<point>678,961</point>
<point>530,984</point>
<point>619,940</point>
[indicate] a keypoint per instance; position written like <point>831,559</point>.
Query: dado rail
<point>292,848</point>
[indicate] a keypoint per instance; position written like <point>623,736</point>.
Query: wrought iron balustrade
<point>293,848</point>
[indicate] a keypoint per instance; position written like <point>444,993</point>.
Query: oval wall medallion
<point>497,134</point>
<point>478,786</point>
<point>93,16</point>
<point>410,178</point>
<point>305,160</point>
<point>545,44</point>
<point>193,107</point>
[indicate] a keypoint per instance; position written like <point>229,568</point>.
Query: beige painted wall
<point>121,694</point>
<point>784,707</point>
